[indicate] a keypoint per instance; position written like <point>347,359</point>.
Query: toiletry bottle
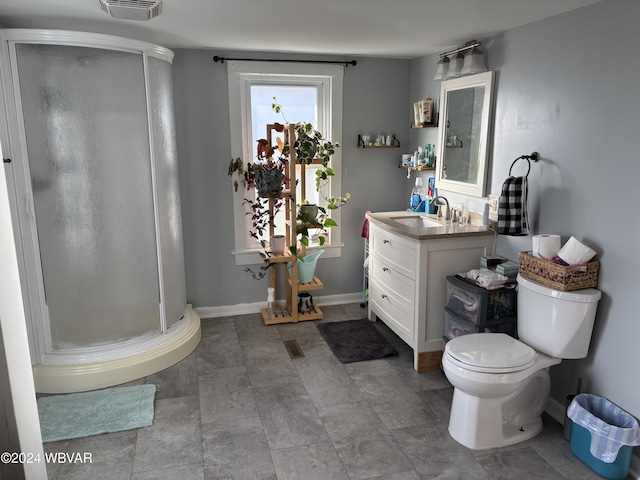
<point>418,197</point>
<point>485,216</point>
<point>463,215</point>
<point>271,302</point>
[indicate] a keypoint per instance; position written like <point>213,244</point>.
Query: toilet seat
<point>490,353</point>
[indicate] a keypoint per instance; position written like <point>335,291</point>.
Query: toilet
<point>501,385</point>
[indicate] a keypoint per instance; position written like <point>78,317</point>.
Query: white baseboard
<point>556,411</point>
<point>246,308</point>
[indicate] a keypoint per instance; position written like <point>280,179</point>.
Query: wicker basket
<point>556,276</point>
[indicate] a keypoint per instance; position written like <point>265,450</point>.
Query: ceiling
<point>391,28</point>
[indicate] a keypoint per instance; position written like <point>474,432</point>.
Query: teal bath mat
<point>76,415</point>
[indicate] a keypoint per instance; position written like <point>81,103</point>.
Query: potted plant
<point>310,145</point>
<point>267,176</point>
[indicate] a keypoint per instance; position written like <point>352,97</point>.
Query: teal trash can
<point>603,435</point>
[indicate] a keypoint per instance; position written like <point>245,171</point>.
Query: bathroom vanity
<point>410,257</point>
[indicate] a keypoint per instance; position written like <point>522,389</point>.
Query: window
<point>307,93</point>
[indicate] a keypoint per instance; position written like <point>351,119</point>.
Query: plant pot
<point>306,148</point>
<point>305,302</point>
<point>308,213</point>
<point>307,267</point>
<point>277,243</point>
<point>269,182</point>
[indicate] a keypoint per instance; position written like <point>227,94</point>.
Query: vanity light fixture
<point>455,63</point>
<point>442,68</point>
<point>473,62</point>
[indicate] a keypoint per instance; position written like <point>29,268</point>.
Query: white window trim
<point>240,75</point>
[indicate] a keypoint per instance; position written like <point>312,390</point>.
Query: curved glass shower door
<point>87,138</point>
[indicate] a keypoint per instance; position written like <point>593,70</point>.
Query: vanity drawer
<point>387,276</point>
<point>395,250</point>
<point>392,308</point>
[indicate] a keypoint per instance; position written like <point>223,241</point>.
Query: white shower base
<point>77,377</point>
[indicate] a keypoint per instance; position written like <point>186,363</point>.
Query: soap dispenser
<point>418,197</point>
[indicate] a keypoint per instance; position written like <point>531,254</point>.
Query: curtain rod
<point>467,46</point>
<point>346,64</point>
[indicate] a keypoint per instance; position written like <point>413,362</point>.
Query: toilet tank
<point>554,322</point>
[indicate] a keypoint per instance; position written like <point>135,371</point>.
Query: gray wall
<point>567,87</point>
<point>375,98</point>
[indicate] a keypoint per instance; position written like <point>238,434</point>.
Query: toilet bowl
<point>497,400</point>
<point>501,385</point>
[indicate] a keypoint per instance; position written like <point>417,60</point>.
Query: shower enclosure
<point>89,127</point>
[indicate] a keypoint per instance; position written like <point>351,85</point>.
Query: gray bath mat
<point>356,340</point>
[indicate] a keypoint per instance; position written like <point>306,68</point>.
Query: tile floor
<point>240,408</point>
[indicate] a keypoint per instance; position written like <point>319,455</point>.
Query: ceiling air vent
<point>132,9</point>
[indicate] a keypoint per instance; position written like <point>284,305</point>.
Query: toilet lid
<point>491,352</point>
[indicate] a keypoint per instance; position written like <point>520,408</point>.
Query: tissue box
<point>490,261</point>
<point>558,277</point>
<point>508,268</point>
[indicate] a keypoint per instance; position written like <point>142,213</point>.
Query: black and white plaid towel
<point>512,209</point>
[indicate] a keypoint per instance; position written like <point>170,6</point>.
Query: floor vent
<point>293,348</point>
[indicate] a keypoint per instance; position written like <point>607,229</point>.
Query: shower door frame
<point>13,139</point>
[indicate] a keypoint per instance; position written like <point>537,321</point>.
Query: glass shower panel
<point>87,142</point>
<point>170,216</point>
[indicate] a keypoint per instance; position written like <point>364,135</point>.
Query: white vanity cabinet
<point>407,280</point>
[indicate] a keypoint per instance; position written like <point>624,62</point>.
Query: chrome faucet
<point>433,200</point>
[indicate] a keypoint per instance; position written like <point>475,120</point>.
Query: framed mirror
<point>463,136</point>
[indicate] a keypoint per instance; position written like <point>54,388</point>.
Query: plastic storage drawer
<point>478,305</point>
<point>454,326</point>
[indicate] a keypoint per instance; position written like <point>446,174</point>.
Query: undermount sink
<point>417,222</point>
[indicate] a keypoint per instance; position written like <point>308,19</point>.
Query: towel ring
<point>535,156</point>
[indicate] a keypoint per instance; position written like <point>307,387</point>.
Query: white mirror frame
<point>481,79</point>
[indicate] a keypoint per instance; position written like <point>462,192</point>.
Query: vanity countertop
<point>420,226</point>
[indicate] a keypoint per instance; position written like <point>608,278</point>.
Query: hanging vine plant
<point>267,177</point>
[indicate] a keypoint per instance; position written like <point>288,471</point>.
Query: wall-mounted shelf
<point>425,125</point>
<point>395,144</point>
<point>378,146</point>
<point>418,168</point>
